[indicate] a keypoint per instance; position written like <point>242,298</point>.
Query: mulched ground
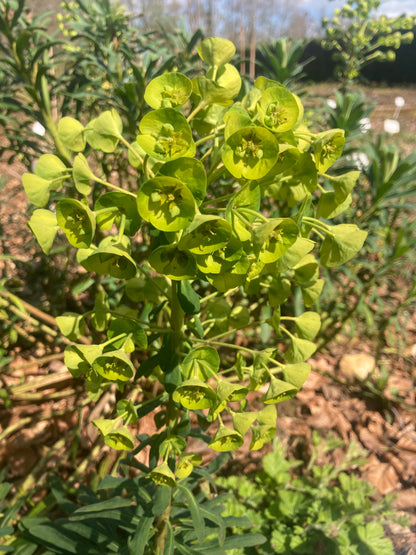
<point>42,416</point>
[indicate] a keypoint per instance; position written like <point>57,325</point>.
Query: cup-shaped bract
<point>108,260</point>
<point>169,90</point>
<point>45,227</point>
<point>278,391</point>
<point>172,262</point>
<point>162,475</point>
<point>104,132</point>
<point>260,435</point>
<point>166,203</point>
<point>219,86</point>
<point>186,464</point>
<point>279,109</point>
<point>226,439</point>
<point>202,363</point>
<point>206,234</point>
<point>190,172</point>
<point>72,133</point>
<point>82,175</point>
<point>117,438</point>
<point>250,152</point>
<point>194,394</point>
<point>119,205</point>
<point>166,135</point>
<point>273,238</point>
<point>114,366</point>
<point>328,148</point>
<point>341,244</point>
<point>216,51</point>
<point>77,221</point>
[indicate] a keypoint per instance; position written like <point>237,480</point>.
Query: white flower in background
<point>399,101</point>
<point>361,160</point>
<point>38,128</point>
<point>391,126</point>
<point>331,103</point>
<point>365,125</point>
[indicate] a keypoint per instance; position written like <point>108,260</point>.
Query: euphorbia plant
<point>205,251</point>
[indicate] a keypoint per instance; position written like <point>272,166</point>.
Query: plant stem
<point>176,322</point>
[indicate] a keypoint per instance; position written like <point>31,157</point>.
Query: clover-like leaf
<point>206,234</point>
<point>194,394</point>
<point>341,244</point>
<point>166,135</point>
<point>115,206</point>
<point>114,366</point>
<point>71,133</point>
<point>250,152</point>
<point>328,148</point>
<point>279,109</point>
<point>162,475</point>
<point>273,238</point>
<point>44,226</point>
<point>166,203</point>
<point>190,172</point>
<point>216,51</point>
<point>169,90</point>
<point>173,262</point>
<point>226,439</point>
<point>77,221</point>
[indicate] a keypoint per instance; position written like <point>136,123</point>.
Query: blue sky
<point>324,8</point>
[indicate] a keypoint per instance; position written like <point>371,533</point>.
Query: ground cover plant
<point>205,234</point>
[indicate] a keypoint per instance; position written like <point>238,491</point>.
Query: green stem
<point>195,111</point>
<point>176,322</point>
<point>114,187</point>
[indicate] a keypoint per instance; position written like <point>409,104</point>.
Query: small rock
<point>357,366</point>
